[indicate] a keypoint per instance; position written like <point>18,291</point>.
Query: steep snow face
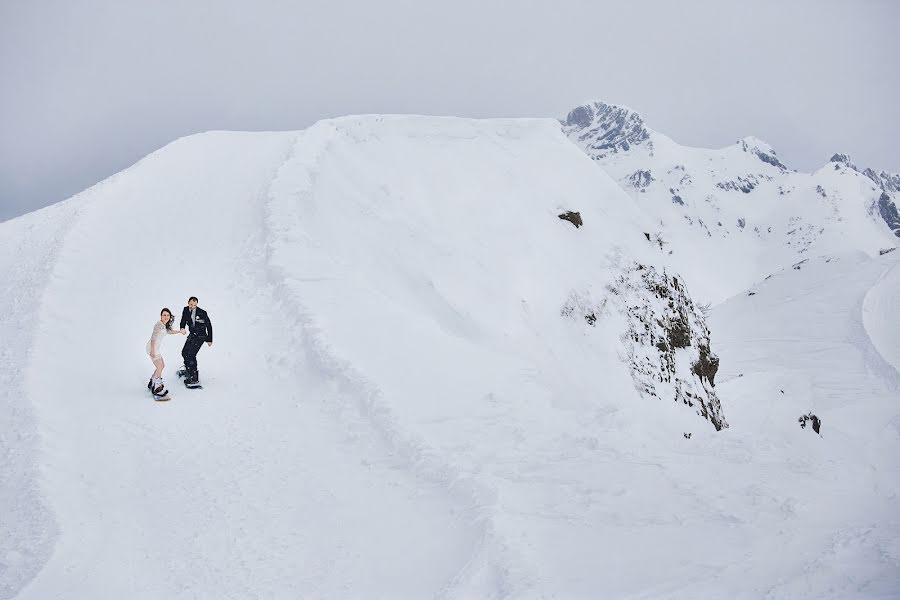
<point>479,259</point>
<point>734,215</point>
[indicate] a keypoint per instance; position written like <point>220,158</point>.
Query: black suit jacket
<point>202,327</point>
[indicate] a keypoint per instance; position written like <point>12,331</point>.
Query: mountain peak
<point>606,128</point>
<point>762,150</point>
<point>843,159</point>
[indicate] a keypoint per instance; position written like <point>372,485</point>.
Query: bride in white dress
<point>161,328</point>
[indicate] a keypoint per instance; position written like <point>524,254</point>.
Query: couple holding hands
<point>200,327</point>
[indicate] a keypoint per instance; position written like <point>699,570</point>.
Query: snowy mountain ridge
<point>741,197</point>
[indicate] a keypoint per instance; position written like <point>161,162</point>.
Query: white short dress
<point>159,332</point>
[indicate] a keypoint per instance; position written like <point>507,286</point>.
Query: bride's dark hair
<point>171,318</point>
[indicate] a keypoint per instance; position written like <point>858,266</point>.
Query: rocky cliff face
<point>607,129</point>
<point>667,342</point>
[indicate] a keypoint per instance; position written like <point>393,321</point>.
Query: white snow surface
<point>394,406</point>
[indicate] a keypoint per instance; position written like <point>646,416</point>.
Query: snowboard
<point>165,398</point>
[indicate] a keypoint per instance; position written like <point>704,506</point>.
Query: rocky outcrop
<point>888,182</point>
<point>603,129</point>
<point>762,151</point>
<point>744,184</point>
<point>640,179</point>
<point>810,419</point>
<point>667,342</point>
<point>888,211</point>
<point>572,217</point>
<point>843,159</point>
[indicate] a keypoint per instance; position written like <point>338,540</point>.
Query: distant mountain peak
<point>843,159</point>
<point>762,150</point>
<point>606,128</point>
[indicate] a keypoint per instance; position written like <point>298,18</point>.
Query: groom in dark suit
<point>200,331</point>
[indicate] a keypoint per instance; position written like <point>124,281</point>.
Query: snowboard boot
<point>192,380</point>
<point>159,389</point>
<point>181,372</point>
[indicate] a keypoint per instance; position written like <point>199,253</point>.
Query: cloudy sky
<point>91,86</point>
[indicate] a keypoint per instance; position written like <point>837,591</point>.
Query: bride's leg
<point>160,365</point>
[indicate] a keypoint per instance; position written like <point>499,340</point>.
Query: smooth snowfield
<point>394,406</point>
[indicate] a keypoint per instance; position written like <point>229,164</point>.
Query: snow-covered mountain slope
<point>410,343</point>
<point>734,215</point>
<point>820,339</point>
<point>426,381</point>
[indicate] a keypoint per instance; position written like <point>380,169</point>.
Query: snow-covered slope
<point>734,215</point>
<point>426,381</point>
<point>820,339</point>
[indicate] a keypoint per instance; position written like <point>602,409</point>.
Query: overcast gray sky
<point>88,87</point>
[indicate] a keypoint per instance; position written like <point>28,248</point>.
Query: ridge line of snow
<point>875,308</point>
<point>352,387</point>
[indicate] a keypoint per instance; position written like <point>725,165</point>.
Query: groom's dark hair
<point>194,298</point>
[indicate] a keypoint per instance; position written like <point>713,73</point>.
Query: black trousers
<point>191,347</point>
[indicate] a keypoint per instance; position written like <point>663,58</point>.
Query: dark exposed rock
<point>888,211</point>
<point>843,159</point>
<point>884,251</point>
<point>580,117</point>
<point>886,181</point>
<point>816,422</point>
<point>707,366</point>
<point>767,156</point>
<point>640,179</point>
<point>744,184</point>
<point>572,217</point>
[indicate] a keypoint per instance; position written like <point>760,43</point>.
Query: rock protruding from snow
<point>888,211</point>
<point>667,342</point>
<point>606,129</point>
<point>572,217</point>
<point>888,182</point>
<point>843,159</point>
<point>809,417</point>
<point>640,179</point>
<point>762,151</point>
